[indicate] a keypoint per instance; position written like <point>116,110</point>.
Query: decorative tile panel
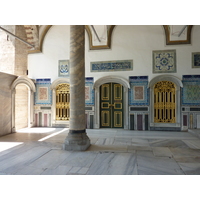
<point>63,68</point>
<point>43,93</point>
<point>110,66</point>
<point>89,91</point>
<point>191,90</point>
<point>196,60</point>
<point>164,61</point>
<point>138,92</point>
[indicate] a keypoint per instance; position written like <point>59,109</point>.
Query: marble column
<point>77,139</point>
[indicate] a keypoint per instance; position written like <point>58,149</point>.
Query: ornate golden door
<point>164,102</point>
<point>111,105</point>
<point>63,102</point>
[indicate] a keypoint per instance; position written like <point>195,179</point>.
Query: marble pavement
<point>38,151</point>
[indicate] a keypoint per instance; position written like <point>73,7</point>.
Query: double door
<point>111,105</point>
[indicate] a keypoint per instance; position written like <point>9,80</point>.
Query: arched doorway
<point>61,102</point>
<point>21,106</point>
<point>23,90</point>
<point>121,88</point>
<point>111,105</point>
<point>165,102</point>
<point>165,109</point>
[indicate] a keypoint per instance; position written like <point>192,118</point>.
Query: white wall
<point>128,42</point>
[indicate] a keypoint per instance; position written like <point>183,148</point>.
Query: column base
<point>76,141</point>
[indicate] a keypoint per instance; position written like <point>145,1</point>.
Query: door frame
<point>96,87</point>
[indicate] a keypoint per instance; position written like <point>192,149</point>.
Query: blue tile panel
<point>164,61</point>
<point>138,82</point>
<point>89,82</point>
<point>110,66</point>
<point>191,90</point>
<point>45,84</point>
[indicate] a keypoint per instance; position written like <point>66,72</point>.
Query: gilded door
<point>111,105</point>
<point>164,102</point>
<point>63,102</point>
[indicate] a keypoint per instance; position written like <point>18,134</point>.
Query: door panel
<point>111,102</point>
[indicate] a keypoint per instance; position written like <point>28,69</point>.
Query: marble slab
<point>162,152</point>
<point>190,168</point>
<point>114,164</point>
<point>168,143</point>
<point>185,152</point>
<point>51,159</point>
<point>148,164</point>
<point>80,159</point>
<point>60,170</point>
<point>13,163</point>
<point>193,144</point>
<point>108,148</point>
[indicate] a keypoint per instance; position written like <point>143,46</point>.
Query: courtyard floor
<point>38,151</point>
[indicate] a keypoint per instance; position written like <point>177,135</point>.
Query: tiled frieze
<point>43,93</point>
<point>138,92</point>
<point>191,90</point>
<point>109,66</point>
<point>89,91</point>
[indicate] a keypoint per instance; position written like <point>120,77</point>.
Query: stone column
<point>77,139</point>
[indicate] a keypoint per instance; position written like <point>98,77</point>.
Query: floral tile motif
<point>110,66</point>
<point>89,91</point>
<point>191,90</point>
<point>138,92</point>
<point>43,94</point>
<point>164,61</point>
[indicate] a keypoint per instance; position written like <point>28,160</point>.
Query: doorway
<point>21,106</point>
<point>111,106</point>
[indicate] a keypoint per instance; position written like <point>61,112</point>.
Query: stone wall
<point>13,60</point>
<point>6,103</point>
<point>7,50</point>
<point>21,52</point>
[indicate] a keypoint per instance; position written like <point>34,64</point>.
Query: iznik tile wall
<point>138,92</point>
<point>89,91</point>
<point>43,94</point>
<point>191,90</point>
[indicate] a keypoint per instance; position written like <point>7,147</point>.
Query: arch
<point>24,80</point>
<point>107,46</point>
<point>109,79</point>
<point>28,82</point>
<point>165,126</point>
<point>58,81</point>
<point>46,28</point>
<point>174,42</point>
<point>171,78</point>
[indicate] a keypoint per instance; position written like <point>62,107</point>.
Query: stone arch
<point>165,126</point>
<point>30,84</point>
<point>109,79</point>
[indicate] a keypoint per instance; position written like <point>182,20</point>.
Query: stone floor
<point>38,151</point>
